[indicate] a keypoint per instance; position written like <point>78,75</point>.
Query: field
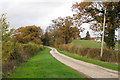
<point>88,43</point>
<point>43,65</point>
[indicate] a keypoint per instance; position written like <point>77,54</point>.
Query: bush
<point>110,56</point>
<point>7,50</point>
<point>83,51</point>
<point>94,53</point>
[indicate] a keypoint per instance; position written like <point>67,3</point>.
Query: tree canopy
<point>5,32</point>
<point>62,31</point>
<point>92,12</point>
<point>28,34</point>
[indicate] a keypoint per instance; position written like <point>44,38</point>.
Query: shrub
<point>110,55</point>
<point>94,53</point>
<point>7,50</point>
<point>83,51</point>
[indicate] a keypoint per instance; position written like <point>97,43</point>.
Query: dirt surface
<point>88,69</point>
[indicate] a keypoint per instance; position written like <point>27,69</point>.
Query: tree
<point>28,34</point>
<point>46,39</point>
<point>62,31</point>
<point>92,12</point>
<point>6,34</point>
<point>87,36</point>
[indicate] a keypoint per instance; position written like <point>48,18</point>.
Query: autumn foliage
<point>28,34</point>
<point>62,31</point>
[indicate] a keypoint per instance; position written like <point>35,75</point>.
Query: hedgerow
<point>92,53</point>
<point>13,54</point>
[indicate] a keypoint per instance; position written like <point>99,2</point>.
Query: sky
<point>21,13</point>
<point>35,12</point>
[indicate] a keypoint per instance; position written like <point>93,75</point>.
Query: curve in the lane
<point>88,69</point>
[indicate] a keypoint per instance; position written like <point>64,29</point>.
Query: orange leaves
<point>62,30</point>
<point>28,34</point>
<point>108,18</point>
<point>111,26</point>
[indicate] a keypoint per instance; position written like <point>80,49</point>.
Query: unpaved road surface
<point>90,70</point>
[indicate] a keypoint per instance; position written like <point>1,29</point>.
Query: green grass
<point>100,63</point>
<point>117,47</point>
<point>90,44</point>
<point>86,43</point>
<point>43,65</point>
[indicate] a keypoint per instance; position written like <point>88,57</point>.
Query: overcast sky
<point>35,12</point>
<point>22,13</point>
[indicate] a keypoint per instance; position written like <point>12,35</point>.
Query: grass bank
<point>43,65</point>
<point>90,44</point>
<point>100,63</point>
<point>86,43</point>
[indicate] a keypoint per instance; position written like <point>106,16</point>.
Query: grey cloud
<point>33,10</point>
<point>48,4</point>
<point>27,12</point>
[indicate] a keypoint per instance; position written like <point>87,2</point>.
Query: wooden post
<point>103,34</point>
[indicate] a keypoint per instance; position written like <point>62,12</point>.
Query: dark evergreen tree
<point>87,36</point>
<point>46,39</point>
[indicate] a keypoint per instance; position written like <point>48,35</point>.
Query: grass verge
<point>100,63</point>
<point>43,65</point>
<point>90,44</point>
<point>86,43</point>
